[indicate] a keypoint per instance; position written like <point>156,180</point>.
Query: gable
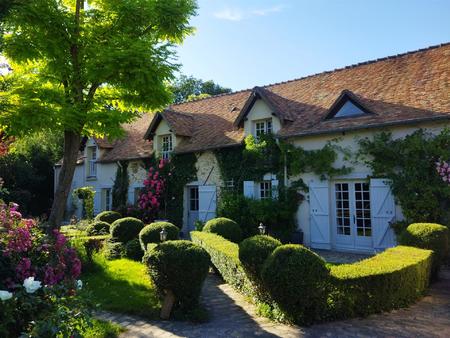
<point>349,109</point>
<point>260,111</point>
<point>347,105</point>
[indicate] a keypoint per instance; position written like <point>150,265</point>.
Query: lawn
<point>102,329</point>
<point>122,285</point>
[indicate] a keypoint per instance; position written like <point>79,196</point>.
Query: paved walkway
<point>232,316</point>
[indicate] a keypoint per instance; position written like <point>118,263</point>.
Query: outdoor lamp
<point>163,235</point>
<point>262,228</point>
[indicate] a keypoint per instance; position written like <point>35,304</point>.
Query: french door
<point>193,206</point>
<point>352,215</point>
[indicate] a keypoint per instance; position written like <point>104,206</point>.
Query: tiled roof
<point>405,88</point>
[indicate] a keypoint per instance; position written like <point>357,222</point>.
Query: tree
<point>86,68</point>
<point>188,88</point>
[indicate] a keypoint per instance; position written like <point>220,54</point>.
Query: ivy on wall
<point>86,195</point>
<point>409,163</point>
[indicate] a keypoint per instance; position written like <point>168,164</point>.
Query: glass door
<point>193,205</point>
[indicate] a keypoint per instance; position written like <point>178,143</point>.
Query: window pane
<point>349,109</point>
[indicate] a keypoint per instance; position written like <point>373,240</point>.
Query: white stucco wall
<point>260,111</point>
<point>163,129</point>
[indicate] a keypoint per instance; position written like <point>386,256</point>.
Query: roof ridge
<point>390,57</point>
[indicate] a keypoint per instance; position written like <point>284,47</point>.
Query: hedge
<point>126,229</point>
<point>151,233</point>
<point>392,279</point>
<point>108,216</point>
<point>224,227</point>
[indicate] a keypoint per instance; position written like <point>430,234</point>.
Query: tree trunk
<point>71,149</point>
<point>167,305</point>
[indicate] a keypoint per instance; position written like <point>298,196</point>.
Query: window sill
<point>91,178</point>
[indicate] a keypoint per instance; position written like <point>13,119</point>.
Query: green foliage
<point>224,227</point>
<point>186,88</point>
<point>126,229</point>
<point>86,194</point>
<point>103,329</point>
<point>428,236</point>
<point>113,250</point>
<point>179,266</point>
<point>409,162</point>
<point>133,250</point>
<point>395,278</point>
<point>254,251</point>
<point>97,228</point>
<point>297,280</point>
<point>120,187</point>
<point>150,233</point>
<point>108,216</point>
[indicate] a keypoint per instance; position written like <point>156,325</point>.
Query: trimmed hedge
<point>150,233</point>
<point>429,236</point>
<point>108,216</point>
<point>97,228</point>
<point>394,278</point>
<point>133,250</point>
<point>113,250</point>
<point>253,252</point>
<point>126,229</point>
<point>224,227</point>
<point>179,266</point>
<point>297,279</point>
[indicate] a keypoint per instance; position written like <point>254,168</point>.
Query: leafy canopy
<point>89,71</point>
<point>188,88</point>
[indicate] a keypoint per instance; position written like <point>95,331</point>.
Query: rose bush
<point>38,280</point>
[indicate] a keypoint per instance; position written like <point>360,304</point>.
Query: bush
<point>297,280</point>
<point>179,266</point>
<point>108,216</point>
<point>395,278</point>
<point>254,251</point>
<point>150,233</point>
<point>126,229</point>
<point>224,227</point>
<point>97,228</point>
<point>114,250</point>
<point>133,250</point>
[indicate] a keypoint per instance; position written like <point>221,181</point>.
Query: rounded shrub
<point>97,228</point>
<point>254,251</point>
<point>150,233</point>
<point>429,236</point>
<point>224,227</point>
<point>179,266</point>
<point>126,229</point>
<point>297,279</point>
<point>133,250</point>
<point>113,250</point>
<point>108,216</point>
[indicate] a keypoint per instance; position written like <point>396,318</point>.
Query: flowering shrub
<point>152,196</point>
<point>38,279</point>
<point>443,169</point>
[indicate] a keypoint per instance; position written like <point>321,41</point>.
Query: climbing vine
<point>86,195</point>
<point>410,164</point>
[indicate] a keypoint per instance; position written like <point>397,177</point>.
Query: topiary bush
<point>133,250</point>
<point>113,250</point>
<point>224,227</point>
<point>297,280</point>
<point>126,229</point>
<point>179,266</point>
<point>97,228</point>
<point>429,236</point>
<point>150,233</point>
<point>254,251</point>
<point>108,216</point>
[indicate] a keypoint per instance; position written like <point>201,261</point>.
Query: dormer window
<point>263,127</point>
<point>92,161</point>
<point>349,109</point>
<point>166,146</point>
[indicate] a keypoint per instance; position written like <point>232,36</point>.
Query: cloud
<point>237,14</point>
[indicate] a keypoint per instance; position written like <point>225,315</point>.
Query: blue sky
<point>241,44</point>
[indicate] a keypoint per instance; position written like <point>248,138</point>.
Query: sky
<point>242,44</point>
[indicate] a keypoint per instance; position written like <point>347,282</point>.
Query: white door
<point>193,205</point>
<point>319,215</point>
<point>352,215</point>
<point>207,202</point>
<point>383,212</point>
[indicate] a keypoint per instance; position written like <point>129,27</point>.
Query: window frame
<point>166,146</point>
<point>265,189</point>
<point>263,127</point>
<point>107,202</point>
<point>92,161</point>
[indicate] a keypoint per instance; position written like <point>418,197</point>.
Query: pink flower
<point>23,269</point>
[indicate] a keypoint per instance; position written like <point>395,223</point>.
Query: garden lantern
<point>163,235</point>
<point>262,229</point>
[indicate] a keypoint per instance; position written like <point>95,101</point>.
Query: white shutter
<point>274,189</point>
<point>382,207</point>
<point>319,202</point>
<point>207,202</point>
<point>249,189</point>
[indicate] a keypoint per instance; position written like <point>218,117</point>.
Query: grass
<point>123,286</point>
<point>103,329</point>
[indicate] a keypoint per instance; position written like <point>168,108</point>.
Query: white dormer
<point>261,120</point>
<point>91,155</point>
<point>164,140</point>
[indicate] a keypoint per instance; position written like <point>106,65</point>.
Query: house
<point>352,212</point>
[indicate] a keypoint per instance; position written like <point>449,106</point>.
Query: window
<point>106,199</point>
<point>137,194</point>
<point>263,127</point>
<point>265,189</point>
<point>363,220</point>
<point>343,208</point>
<point>193,199</point>
<point>92,156</point>
<point>349,109</point>
<point>166,146</point>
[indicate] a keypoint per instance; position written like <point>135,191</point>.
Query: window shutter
<point>249,189</point>
<point>319,215</point>
<point>207,199</point>
<point>275,189</point>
